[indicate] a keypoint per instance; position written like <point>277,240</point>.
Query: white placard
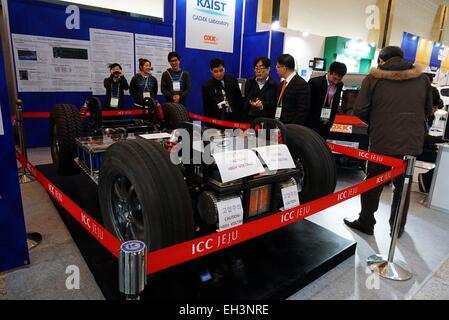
<point>276,157</point>
<point>109,47</point>
<point>210,25</point>
<point>325,114</point>
<point>155,49</point>
<point>45,64</point>
<point>154,136</point>
<point>237,164</point>
<point>230,213</point>
<point>290,197</point>
<point>2,132</point>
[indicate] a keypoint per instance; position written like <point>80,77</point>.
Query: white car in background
<point>444,93</point>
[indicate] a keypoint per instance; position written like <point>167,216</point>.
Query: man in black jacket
<point>260,92</point>
<point>325,93</point>
<point>222,98</point>
<point>293,99</point>
<point>175,82</point>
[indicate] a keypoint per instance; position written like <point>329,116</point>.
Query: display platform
<point>273,266</point>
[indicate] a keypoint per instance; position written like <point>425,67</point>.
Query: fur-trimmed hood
<point>397,69</point>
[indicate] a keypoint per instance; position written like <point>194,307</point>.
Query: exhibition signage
<point>210,25</point>
<point>13,245</point>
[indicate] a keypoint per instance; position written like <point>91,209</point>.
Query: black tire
<point>156,195</point>
<point>175,114</point>
<point>65,127</point>
<point>315,161</point>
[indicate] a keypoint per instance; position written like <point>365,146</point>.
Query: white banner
<point>210,25</point>
<point>109,47</point>
<point>155,49</point>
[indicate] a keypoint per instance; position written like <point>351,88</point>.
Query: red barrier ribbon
<point>189,250</point>
<point>221,123</point>
<point>364,155</point>
<point>111,243</point>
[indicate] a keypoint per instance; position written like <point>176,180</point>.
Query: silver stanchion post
<point>384,266</point>
<point>33,238</point>
<point>132,269</point>
<point>24,177</point>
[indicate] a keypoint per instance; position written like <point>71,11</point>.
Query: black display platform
<point>273,266</point>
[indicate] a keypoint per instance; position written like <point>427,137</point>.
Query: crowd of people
<point>395,101</point>
<point>292,100</point>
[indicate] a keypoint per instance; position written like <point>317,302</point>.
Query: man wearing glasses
<point>175,82</point>
<point>260,92</point>
<point>293,99</point>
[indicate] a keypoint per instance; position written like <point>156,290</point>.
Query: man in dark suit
<point>222,98</point>
<point>325,93</point>
<point>260,92</point>
<point>293,99</point>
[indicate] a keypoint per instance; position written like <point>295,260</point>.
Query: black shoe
<point>422,185</point>
<point>401,232</point>
<point>358,226</point>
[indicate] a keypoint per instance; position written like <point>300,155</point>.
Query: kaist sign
<point>210,25</point>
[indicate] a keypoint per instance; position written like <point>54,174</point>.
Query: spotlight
<point>275,25</point>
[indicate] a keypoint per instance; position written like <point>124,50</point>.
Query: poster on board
<point>155,49</point>
<point>210,25</point>
<point>109,47</point>
<point>46,64</point>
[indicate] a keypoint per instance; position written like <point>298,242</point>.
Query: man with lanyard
<point>222,97</point>
<point>175,82</point>
<point>115,86</point>
<point>325,93</point>
<point>293,99</point>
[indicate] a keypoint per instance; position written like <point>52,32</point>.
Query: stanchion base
<point>33,240</point>
<point>397,271</point>
<point>26,178</point>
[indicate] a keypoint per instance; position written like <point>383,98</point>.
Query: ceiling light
<point>275,25</point>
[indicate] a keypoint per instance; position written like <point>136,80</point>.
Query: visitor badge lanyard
<point>225,102</point>
<point>278,114</point>
<point>325,110</point>
<point>176,84</point>
<point>146,94</point>
<point>114,100</point>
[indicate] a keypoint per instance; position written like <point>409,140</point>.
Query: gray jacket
<point>394,101</point>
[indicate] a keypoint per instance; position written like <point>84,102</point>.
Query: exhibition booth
<point>137,214</point>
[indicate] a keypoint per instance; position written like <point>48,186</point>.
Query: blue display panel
<point>13,246</point>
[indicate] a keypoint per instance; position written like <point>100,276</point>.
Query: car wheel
<point>143,196</point>
<point>314,159</point>
<point>65,127</point>
<point>175,114</point>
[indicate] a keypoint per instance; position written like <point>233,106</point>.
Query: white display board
<point>438,198</point>
<point>152,8</point>
<point>304,49</point>
<point>109,47</point>
<point>210,25</point>
<point>46,64</point>
<point>2,132</point>
<point>155,49</point>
